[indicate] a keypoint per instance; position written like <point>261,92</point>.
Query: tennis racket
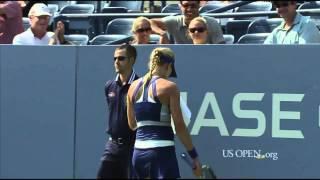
<point>207,172</point>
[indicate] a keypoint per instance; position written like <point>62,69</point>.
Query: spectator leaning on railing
<point>295,28</point>
<point>141,29</point>
<point>177,26</point>
<point>10,21</point>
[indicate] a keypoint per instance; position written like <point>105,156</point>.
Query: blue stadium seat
<point>26,23</point>
<point>310,5</point>
<point>228,38</point>
<point>154,39</point>
<point>171,8</point>
<point>257,38</point>
<point>132,6</point>
<point>77,39</point>
<point>54,8</point>
<point>263,25</point>
<point>120,26</point>
<point>94,3</point>
<point>254,7</point>
<point>212,6</point>
<point>61,4</point>
<point>237,28</point>
<point>114,10</point>
<point>77,9</point>
<point>78,26</point>
<point>106,38</point>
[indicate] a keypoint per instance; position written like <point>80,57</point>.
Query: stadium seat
<point>114,10</point>
<point>61,4</point>
<point>77,39</point>
<point>310,5</point>
<point>228,38</point>
<point>106,38</point>
<point>212,6</point>
<point>120,26</point>
<point>171,8</point>
<point>77,9</point>
<point>263,25</point>
<point>257,38</point>
<point>78,26</point>
<point>54,8</point>
<point>132,6</point>
<point>94,3</point>
<point>254,7</point>
<point>26,23</point>
<point>237,28</point>
<point>154,39</point>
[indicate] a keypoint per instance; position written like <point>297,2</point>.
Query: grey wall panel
<point>37,111</point>
<point>37,115</point>
<point>226,71</point>
<point>94,68</point>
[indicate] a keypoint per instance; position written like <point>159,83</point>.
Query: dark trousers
<point>116,160</point>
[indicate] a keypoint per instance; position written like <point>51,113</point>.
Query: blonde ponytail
<point>154,61</point>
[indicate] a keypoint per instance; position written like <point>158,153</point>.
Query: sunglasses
<point>199,30</point>
<point>192,6</point>
<point>120,58</point>
<point>141,30</point>
<point>283,4</point>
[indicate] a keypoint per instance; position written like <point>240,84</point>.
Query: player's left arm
<point>130,111</point>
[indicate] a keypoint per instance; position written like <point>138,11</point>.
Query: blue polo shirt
<point>116,96</point>
<point>303,31</point>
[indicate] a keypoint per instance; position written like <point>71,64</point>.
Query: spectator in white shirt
<point>37,34</point>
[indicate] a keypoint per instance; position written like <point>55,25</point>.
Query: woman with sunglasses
<point>141,29</point>
<point>152,101</point>
<point>197,30</point>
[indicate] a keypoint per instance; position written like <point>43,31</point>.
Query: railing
<point>98,21</point>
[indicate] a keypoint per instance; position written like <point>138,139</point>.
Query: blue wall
<point>244,99</point>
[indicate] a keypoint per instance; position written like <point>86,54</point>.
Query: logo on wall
<point>278,116</point>
<point>249,153</point>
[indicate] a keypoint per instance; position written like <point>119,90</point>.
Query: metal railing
<point>99,20</point>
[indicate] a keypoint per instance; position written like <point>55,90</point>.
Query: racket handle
<point>186,158</point>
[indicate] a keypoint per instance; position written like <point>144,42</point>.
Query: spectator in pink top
<point>10,21</point>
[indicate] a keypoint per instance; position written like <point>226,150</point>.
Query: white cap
<point>39,9</point>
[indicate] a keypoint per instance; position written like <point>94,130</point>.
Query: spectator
<point>58,37</point>
<point>10,21</point>
<point>141,29</point>
<point>177,26</point>
<point>37,34</point>
<point>295,28</point>
<point>26,6</point>
<point>198,30</point>
<point>203,3</point>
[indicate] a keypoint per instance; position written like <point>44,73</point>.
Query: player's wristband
<point>193,153</point>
